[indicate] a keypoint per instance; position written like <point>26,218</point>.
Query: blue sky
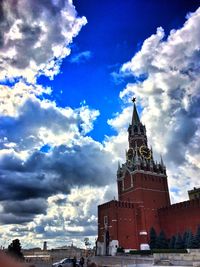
<point>67,74</point>
<point>114,33</point>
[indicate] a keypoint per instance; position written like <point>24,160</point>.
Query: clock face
<point>145,152</point>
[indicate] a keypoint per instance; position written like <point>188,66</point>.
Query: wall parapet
<point>184,204</point>
<point>118,204</point>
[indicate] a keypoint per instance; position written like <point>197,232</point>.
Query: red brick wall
<point>180,217</point>
<point>122,223</point>
<point>142,206</point>
<point>149,188</point>
<point>127,181</point>
<point>151,192</point>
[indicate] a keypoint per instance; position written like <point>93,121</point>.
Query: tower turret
<point>136,130</point>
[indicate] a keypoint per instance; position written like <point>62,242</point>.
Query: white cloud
<point>88,116</point>
<point>170,97</point>
<point>38,122</point>
<point>35,36</point>
<point>12,98</point>
<point>142,62</point>
<point>73,160</point>
<point>116,145</point>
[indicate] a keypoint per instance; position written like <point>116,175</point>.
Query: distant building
<point>143,200</point>
<point>45,245</point>
<point>194,193</point>
<point>36,255</point>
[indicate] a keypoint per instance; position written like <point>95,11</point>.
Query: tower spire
<point>136,129</point>
<point>161,161</point>
<point>119,165</point>
<point>135,117</point>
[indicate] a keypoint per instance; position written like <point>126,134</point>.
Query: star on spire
<point>134,99</point>
<point>135,117</point>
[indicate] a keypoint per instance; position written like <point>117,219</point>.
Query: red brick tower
<point>143,200</point>
<point>140,179</point>
<point>142,190</point>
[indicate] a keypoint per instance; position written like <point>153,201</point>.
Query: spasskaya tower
<point>142,189</point>
<point>140,179</point>
<point>143,199</point>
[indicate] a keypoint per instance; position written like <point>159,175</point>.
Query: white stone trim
<point>131,180</point>
<point>143,233</point>
<point>138,188</point>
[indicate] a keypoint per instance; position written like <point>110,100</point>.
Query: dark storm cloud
<point>45,174</point>
<point>15,212</point>
<point>9,218</point>
<point>18,186</point>
<point>26,207</point>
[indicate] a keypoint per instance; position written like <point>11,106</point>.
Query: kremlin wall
<point>180,217</point>
<point>143,200</point>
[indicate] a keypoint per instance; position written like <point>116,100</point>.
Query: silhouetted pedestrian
<point>82,261</point>
<point>74,261</point>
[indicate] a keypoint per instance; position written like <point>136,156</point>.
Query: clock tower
<point>143,200</point>
<point>140,179</point>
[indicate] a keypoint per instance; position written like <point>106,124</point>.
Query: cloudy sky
<point>67,73</point>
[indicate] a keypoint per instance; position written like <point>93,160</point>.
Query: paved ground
<point>39,264</point>
<point>135,261</point>
<point>124,261</point>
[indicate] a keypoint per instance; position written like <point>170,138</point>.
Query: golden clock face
<point>145,152</point>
